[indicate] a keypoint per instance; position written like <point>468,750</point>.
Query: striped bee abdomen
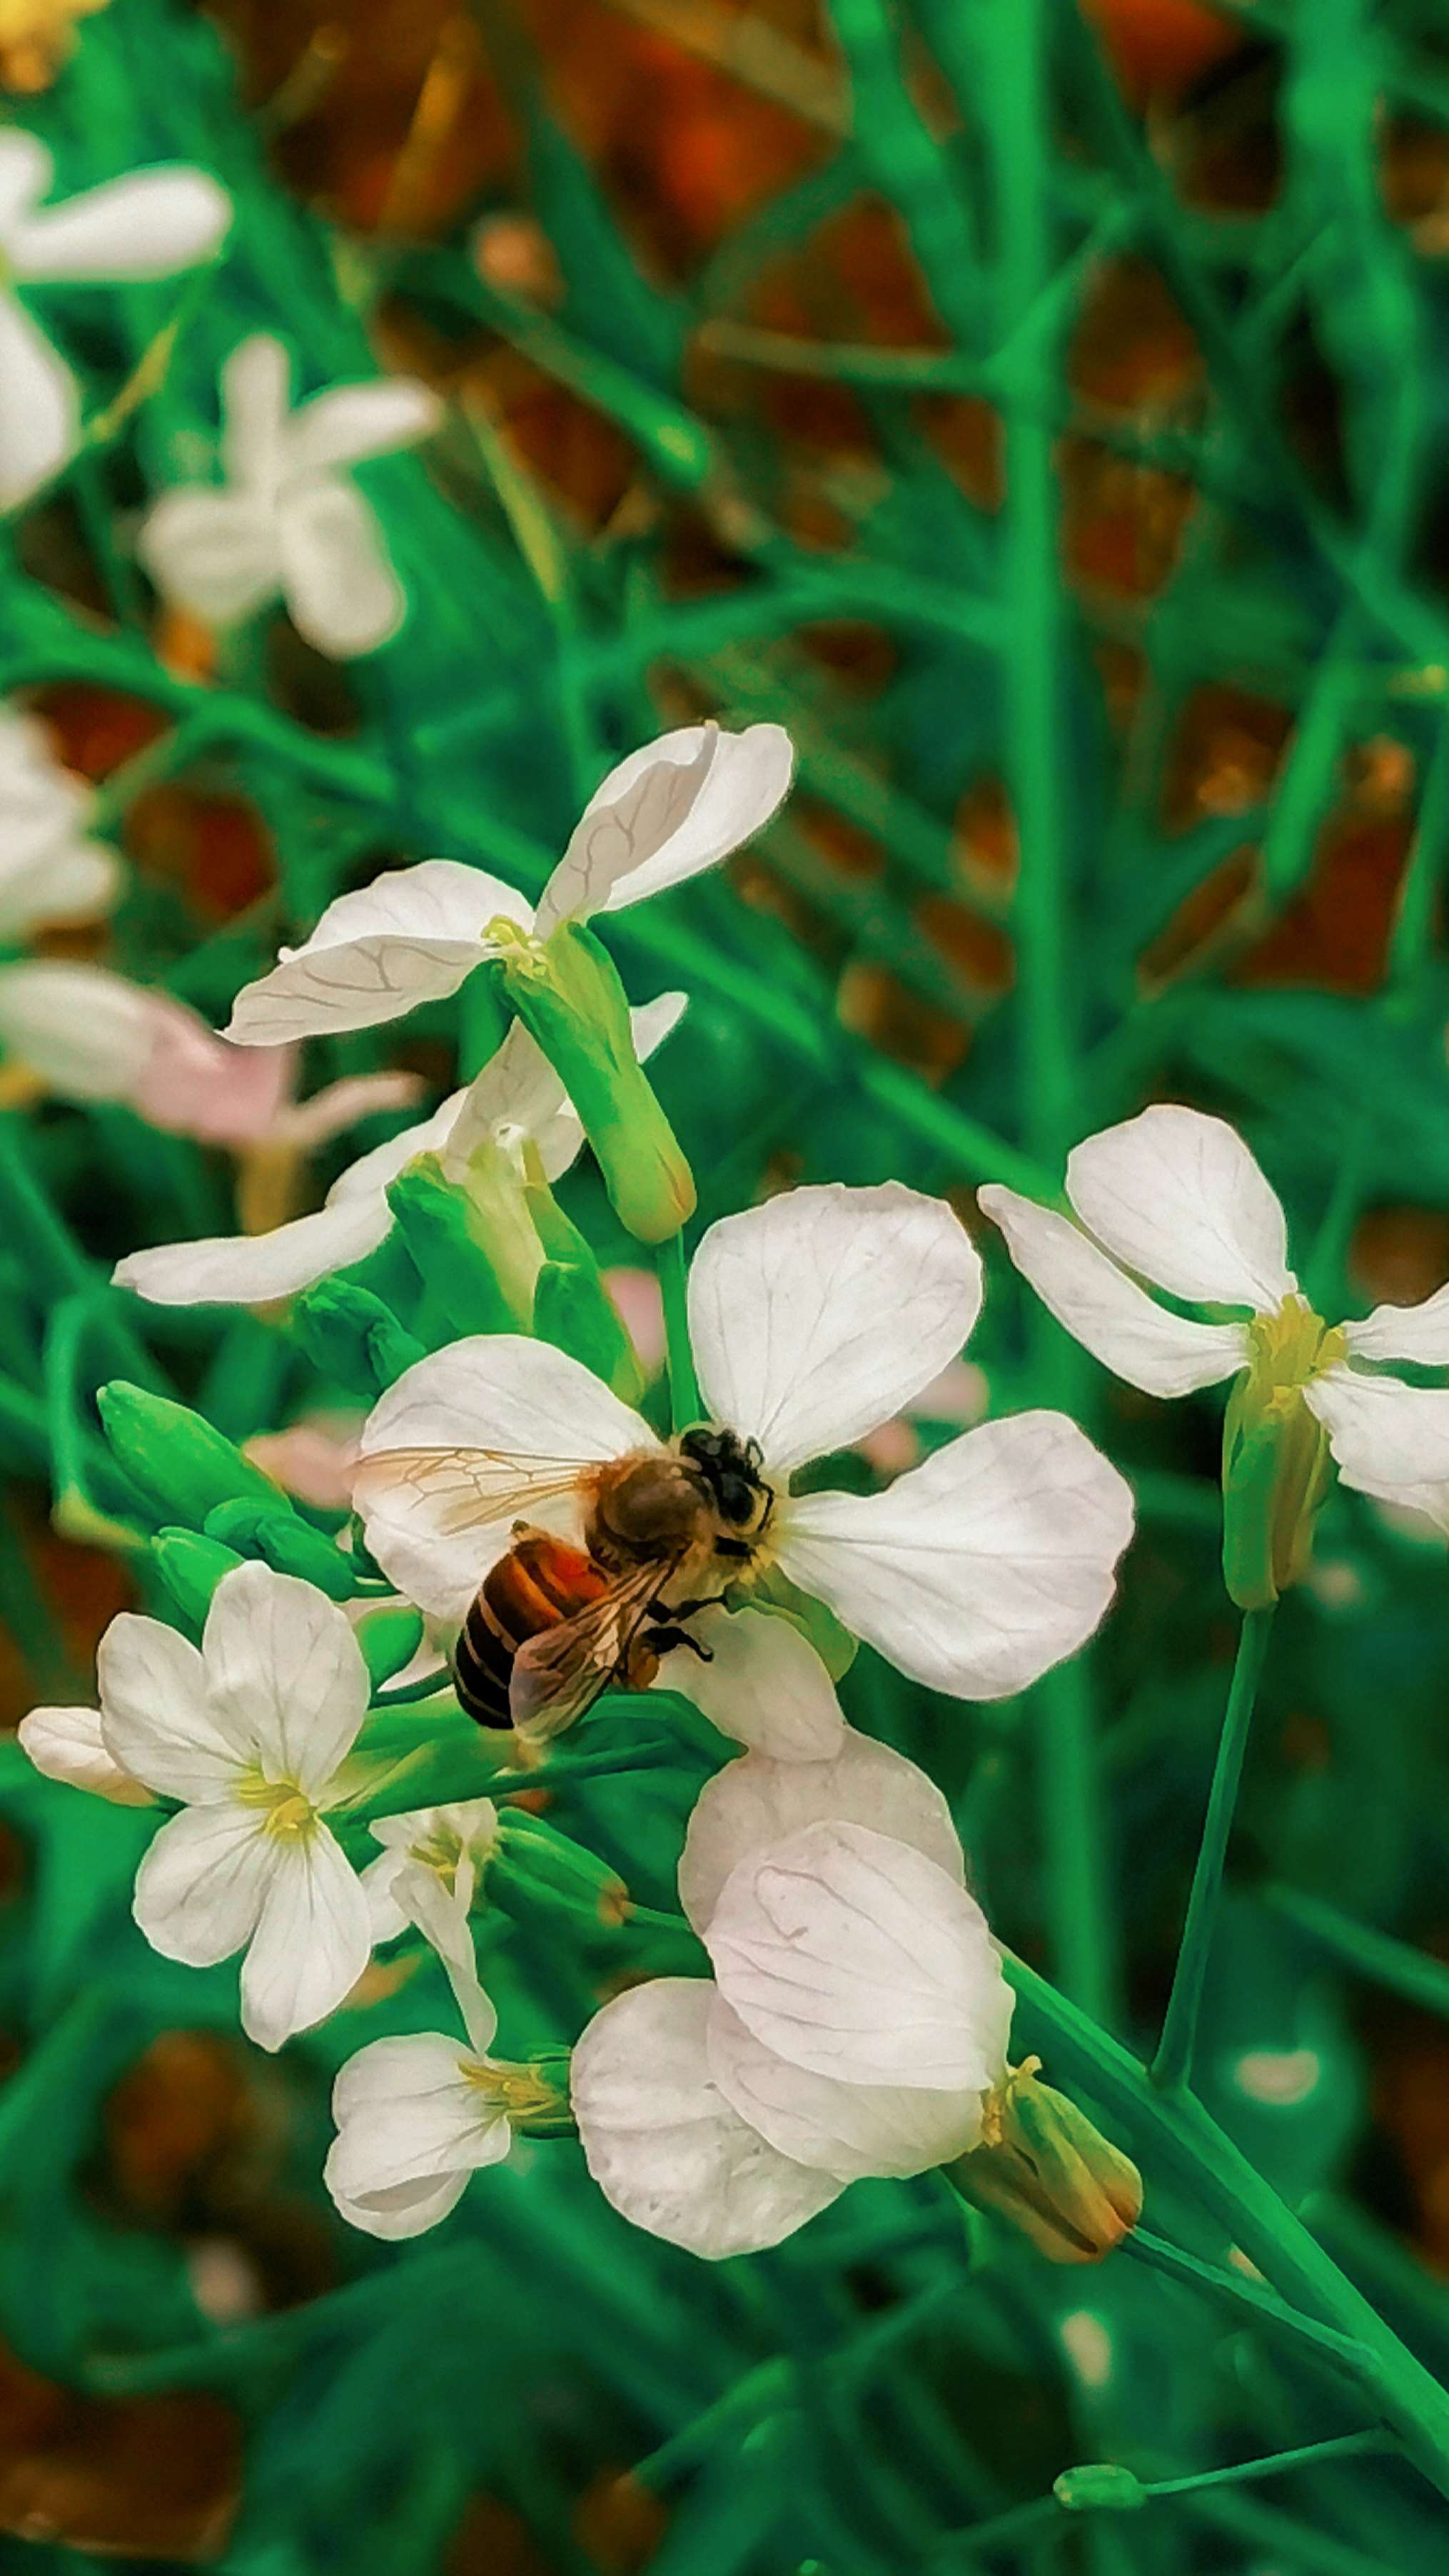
<point>536,1586</point>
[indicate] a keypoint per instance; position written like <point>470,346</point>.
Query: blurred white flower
<point>149,224</point>
<point>50,870</point>
<point>856,2024</point>
<point>515,1110</point>
<point>249,1735</point>
<point>813,1318</point>
<point>288,523</point>
<point>415,934</point>
<point>1177,1197</point>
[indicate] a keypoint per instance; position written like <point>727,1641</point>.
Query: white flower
<point>813,1318</point>
<point>415,934</point>
<point>1177,1196</point>
<point>93,1035</point>
<point>249,1735</point>
<point>149,224</point>
<point>857,2020</point>
<point>515,1108</point>
<point>49,869</point>
<point>417,2114</point>
<point>287,524</point>
<point>429,1847</point>
<point>67,1744</point>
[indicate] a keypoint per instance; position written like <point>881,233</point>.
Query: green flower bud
<point>350,1335</point>
<point>1277,1467</point>
<point>568,995</point>
<point>176,1460</point>
<point>390,1637</point>
<point>573,1310</point>
<point>463,1289</point>
<point>280,1537</point>
<point>1044,2166</point>
<point>191,1568</point>
<point>536,1868</point>
<point>1099,2486</point>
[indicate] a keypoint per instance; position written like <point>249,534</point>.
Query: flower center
<point>287,1813</point>
<point>1289,1349</point>
<point>519,948</point>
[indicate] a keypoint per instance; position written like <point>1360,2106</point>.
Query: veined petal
<point>475,1437</point>
<point>202,1884</point>
<point>849,2130</point>
<point>668,811</point>
<point>406,2112</point>
<point>312,1941</point>
<point>156,1721</point>
<point>852,1955</point>
<point>979,1569</point>
<point>148,224</point>
<point>411,936</point>
<point>763,1684</point>
<point>337,576</point>
<point>251,1269</point>
<point>256,391</point>
<point>1383,1434</point>
<point>756,1802</point>
<point>1419,1333</point>
<point>283,1666</point>
<point>817,1316</point>
<point>88,1033</point>
<point>1115,1319</point>
<point>67,1744</point>
<point>212,552</point>
<point>663,2144</point>
<point>348,423</point>
<point>1178,1196</point>
<point>39,406</point>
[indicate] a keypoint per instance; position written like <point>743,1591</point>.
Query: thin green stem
<point>1172,2066</point>
<point>1308,2455</point>
<point>673,1287</point>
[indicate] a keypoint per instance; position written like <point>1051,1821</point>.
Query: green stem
<point>673,1287</point>
<point>1172,2066</point>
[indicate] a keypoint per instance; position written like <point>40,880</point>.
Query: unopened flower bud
<point>176,1461</point>
<point>389,1637</point>
<point>442,1237</point>
<point>352,1336</point>
<point>191,1567</point>
<point>1044,2166</point>
<point>1276,1461</point>
<point>1099,2486</point>
<point>568,995</point>
<point>534,1866</point>
<point>281,1538</point>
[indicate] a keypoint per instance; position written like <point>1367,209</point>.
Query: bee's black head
<point>729,1469</point>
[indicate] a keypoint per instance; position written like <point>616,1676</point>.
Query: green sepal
<point>175,1459</point>
<point>463,1291</point>
<point>570,999</point>
<point>1276,1472</point>
<point>554,2116</point>
<point>572,1310</point>
<point>389,1637</point>
<point>1099,2486</point>
<point>281,1538</point>
<point>191,1567</point>
<point>533,1868</point>
<point>351,1336</point>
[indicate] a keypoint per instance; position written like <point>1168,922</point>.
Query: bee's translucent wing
<point>558,1675</point>
<point>473,1488</point>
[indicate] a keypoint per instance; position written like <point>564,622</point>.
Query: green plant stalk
<point>684,1399</point>
<point>1172,2065</point>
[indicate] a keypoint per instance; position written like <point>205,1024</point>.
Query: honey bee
<point>554,1624</point>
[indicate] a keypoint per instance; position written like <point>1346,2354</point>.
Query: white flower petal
<point>90,1034</point>
<point>337,576</point>
<point>1115,1319</point>
<point>411,936</point>
<point>851,1954</point>
<point>148,224</point>
<point>981,1568</point>
<point>26,171</point>
<point>517,1090</point>
<point>406,2209</point>
<point>668,811</point>
<point>256,389</point>
<point>1419,1333</point>
<point>66,1744</point>
<point>374,1171</point>
<point>69,881</point>
<point>283,1665</point>
<point>763,1684</point>
<point>755,1802</point>
<point>820,1314</point>
<point>407,2113</point>
<point>1178,1196</point>
<point>39,406</point>
<point>348,423</point>
<point>212,552</point>
<point>473,1438</point>
<point>311,1944</point>
<point>202,1884</point>
<point>379,1885</point>
<point>662,2143</point>
<point>1384,1434</point>
<point>251,1269</point>
<point>156,1721</point>
<point>849,2130</point>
